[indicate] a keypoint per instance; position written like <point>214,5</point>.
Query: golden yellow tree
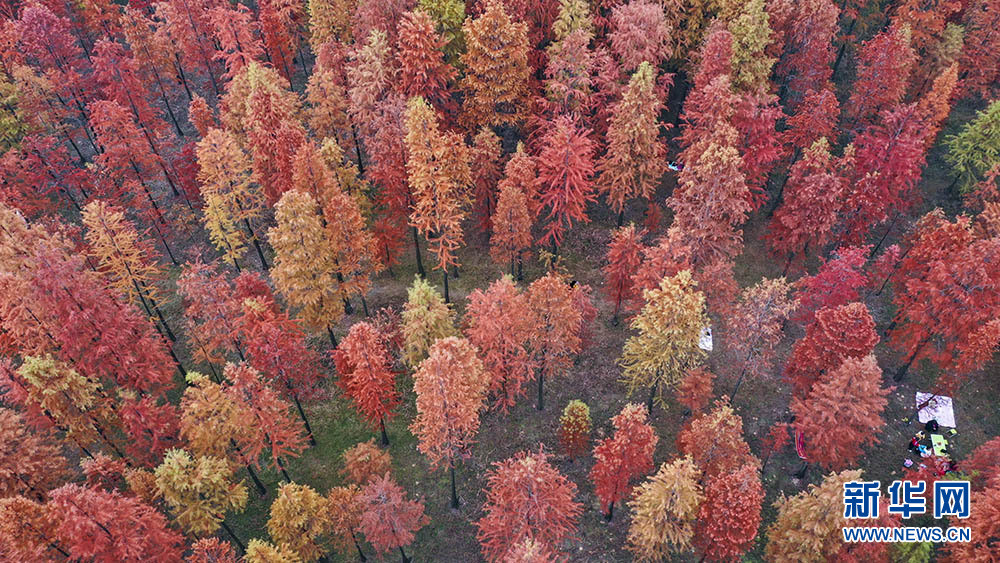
<point>664,509</point>
<point>496,69</point>
<point>666,346</point>
<point>635,161</point>
<point>126,260</point>
<point>199,491</point>
<point>300,521</point>
<point>305,266</point>
<point>751,36</point>
<point>233,202</point>
<point>426,318</point>
<point>260,551</point>
<point>434,167</point>
<point>808,525</point>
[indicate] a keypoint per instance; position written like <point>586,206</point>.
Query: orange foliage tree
<point>499,324</point>
<point>715,441</point>
<point>513,216</point>
<point>624,256</point>
<point>850,399</point>
<point>555,334</point>
<point>451,391</point>
<point>496,69</point>
<point>756,327</point>
<point>729,515</point>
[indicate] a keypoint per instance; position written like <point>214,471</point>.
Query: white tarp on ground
<point>705,339</point>
<point>939,408</point>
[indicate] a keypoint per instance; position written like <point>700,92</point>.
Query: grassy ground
<point>450,536</point>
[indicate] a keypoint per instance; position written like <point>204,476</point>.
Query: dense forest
<point>513,281</point>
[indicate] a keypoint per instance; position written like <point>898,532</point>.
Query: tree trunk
<point>256,481</point>
<point>232,535</point>
<point>541,397</point>
<point>302,413</point>
<point>416,250</point>
<point>621,217</point>
<point>333,339</point>
<point>801,473</point>
<point>903,369</point>
<point>611,512</point>
<point>520,269</point>
<point>454,491</point>
<point>364,306</point>
<point>284,472</point>
<point>403,553</point>
<point>649,400</point>
<point>256,244</point>
<point>361,554</point>
<point>739,381</point>
<point>843,46</point>
<point>447,297</point>
<point>385,437</point>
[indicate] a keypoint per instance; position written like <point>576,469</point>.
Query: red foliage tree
<point>981,48</point>
<point>624,256</point>
<point>813,197</point>
<point>365,367</point>
<point>236,32</point>
<point>106,527</point>
<point>273,426</point>
<point>946,301</point>
<point>852,398</point>
<point>565,167</point>
<point>389,520</point>
<point>210,312</point>
<point>639,33</point>
<point>212,550</point>
<point>30,462</point>
<point>983,465</point>
<point>28,531</point>
<point>695,390</point>
<point>623,457</point>
<point>806,62</point>
<point>760,143</point>
<point>152,428</point>
<point>276,346</point>
<point>985,524</point>
<point>499,324</point>
<point>884,65</point>
<point>526,497</point>
<point>816,117</point>
<point>835,284</point>
<point>729,515</point>
<point>837,334</point>
<point>890,159</point>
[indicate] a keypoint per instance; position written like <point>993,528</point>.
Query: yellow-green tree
<point>976,148</point>
<point>496,69</point>
<point>448,16</point>
<point>12,124</point>
<point>664,509</point>
<point>305,266</point>
<point>199,491</point>
<point>300,521</point>
<point>666,345</point>
<point>573,15</point>
<point>808,525</point>
<point>751,35</point>
<point>233,202</point>
<point>426,318</point>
